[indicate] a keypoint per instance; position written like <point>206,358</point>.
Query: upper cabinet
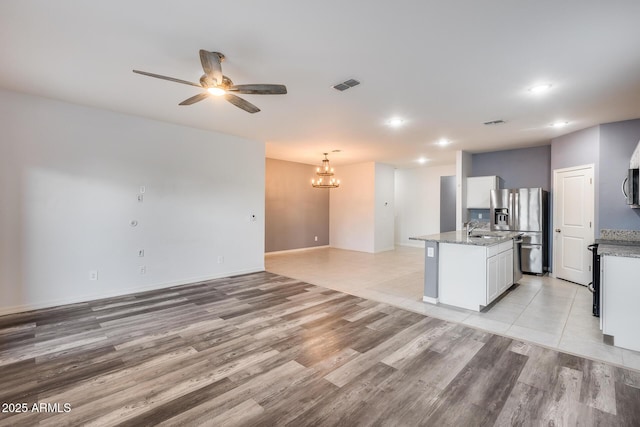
<point>479,190</point>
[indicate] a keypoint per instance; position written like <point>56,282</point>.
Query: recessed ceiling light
<point>443,141</point>
<point>395,122</point>
<point>422,160</point>
<point>560,124</point>
<point>540,88</point>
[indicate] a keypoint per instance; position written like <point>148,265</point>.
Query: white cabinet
<point>499,271</point>
<point>479,189</point>
<point>620,298</point>
<point>493,274</point>
<point>472,276</point>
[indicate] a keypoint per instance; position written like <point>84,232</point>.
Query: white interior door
<point>573,207</point>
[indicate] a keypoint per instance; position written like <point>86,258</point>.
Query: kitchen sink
<point>483,236</point>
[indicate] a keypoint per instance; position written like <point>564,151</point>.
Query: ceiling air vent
<point>346,85</point>
<point>495,122</point>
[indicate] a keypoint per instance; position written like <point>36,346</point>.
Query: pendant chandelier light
<point>325,171</point>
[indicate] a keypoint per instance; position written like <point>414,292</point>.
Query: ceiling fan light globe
<point>216,91</point>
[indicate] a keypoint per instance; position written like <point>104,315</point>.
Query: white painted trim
<point>430,300</point>
<point>288,251</point>
<point>92,297</point>
<point>573,168</point>
<point>411,244</point>
<point>389,248</point>
<point>555,213</point>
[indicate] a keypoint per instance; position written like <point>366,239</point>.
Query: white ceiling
<point>444,66</point>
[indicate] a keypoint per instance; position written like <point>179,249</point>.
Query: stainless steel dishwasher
<point>517,259</point>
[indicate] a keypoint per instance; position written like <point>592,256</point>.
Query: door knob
<point>557,230</point>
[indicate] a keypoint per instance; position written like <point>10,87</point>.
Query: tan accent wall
<point>295,212</point>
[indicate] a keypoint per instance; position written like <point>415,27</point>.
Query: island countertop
<point>477,238</point>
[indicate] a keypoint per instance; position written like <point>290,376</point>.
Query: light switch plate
<point>430,252</point>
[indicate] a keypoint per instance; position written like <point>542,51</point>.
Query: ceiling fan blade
<point>199,97</point>
<point>259,89</point>
<point>211,65</point>
<point>171,79</point>
<point>241,103</point>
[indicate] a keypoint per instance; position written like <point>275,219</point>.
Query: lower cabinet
<point>499,274</point>
<point>620,294</point>
<point>471,276</point>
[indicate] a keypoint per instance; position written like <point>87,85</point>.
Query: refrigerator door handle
<point>624,183</point>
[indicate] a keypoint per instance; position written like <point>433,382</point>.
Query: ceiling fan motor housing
<point>208,82</point>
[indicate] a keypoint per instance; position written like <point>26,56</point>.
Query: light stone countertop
<point>614,249</point>
<point>624,243</point>
<point>460,237</point>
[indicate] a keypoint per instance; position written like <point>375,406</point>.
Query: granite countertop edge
<point>622,243</point>
<point>623,249</point>
<point>461,238</point>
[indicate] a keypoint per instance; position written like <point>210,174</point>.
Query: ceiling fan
<point>216,84</point>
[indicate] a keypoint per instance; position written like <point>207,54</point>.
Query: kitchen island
<point>467,271</point>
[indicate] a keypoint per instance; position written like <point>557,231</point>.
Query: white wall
<point>351,208</point>
<point>417,199</point>
<point>384,208</point>
<point>70,177</point>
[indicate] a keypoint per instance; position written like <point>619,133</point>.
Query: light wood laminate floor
<point>543,310</point>
<point>266,350</point>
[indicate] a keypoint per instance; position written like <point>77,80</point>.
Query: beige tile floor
<point>543,310</point>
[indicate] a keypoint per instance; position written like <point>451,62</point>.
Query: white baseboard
<point>411,244</point>
<point>390,248</point>
<point>91,297</point>
<point>296,250</point>
<point>430,300</point>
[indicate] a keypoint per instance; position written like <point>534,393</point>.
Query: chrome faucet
<point>470,226</point>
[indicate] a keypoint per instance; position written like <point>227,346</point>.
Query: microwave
<point>631,188</point>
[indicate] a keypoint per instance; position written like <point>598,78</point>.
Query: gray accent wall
<point>617,142</point>
<point>295,212</point>
<point>519,168</point>
<point>431,270</point>
<point>577,149</point>
<point>447,203</point>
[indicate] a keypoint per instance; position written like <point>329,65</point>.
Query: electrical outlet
<point>316,238</point>
<point>143,269</point>
<point>93,274</point>
<point>479,216</point>
<point>220,259</point>
<point>140,198</point>
<point>142,189</point>
<point>141,253</point>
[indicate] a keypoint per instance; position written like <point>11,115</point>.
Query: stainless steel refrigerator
<point>524,210</point>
